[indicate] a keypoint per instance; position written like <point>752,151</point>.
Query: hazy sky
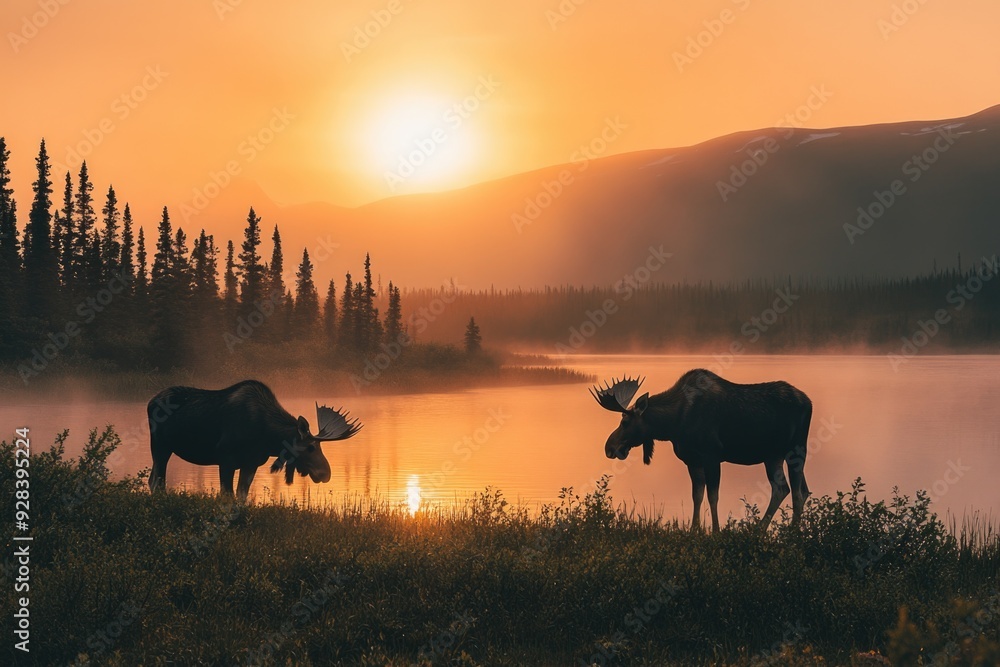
<point>355,100</point>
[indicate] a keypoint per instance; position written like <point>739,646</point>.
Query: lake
<point>934,425</point>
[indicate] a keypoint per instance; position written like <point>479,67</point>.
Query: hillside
<point>760,203</point>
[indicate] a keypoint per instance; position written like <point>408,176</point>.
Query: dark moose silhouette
<point>710,420</point>
<point>239,428</point>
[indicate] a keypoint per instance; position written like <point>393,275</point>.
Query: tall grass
<point>121,577</point>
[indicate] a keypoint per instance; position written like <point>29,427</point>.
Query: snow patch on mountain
<point>816,136</point>
<point>663,160</point>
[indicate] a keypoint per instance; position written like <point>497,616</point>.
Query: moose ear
<point>641,403</point>
<point>303,426</point>
<point>647,451</point>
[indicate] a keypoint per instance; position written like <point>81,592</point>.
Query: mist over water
<point>934,425</point>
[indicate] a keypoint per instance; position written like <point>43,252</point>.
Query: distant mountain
<point>763,203</point>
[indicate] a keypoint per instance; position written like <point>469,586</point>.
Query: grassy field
<point>120,577</point>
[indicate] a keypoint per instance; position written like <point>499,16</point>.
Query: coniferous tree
<point>56,242</point>
<point>231,283</point>
<point>276,268</point>
<point>84,227</point>
<point>92,263</point>
<point>330,313</point>
<point>125,258</point>
<point>288,323</point>
<point>141,276</point>
<point>66,228</point>
<point>360,333</point>
<point>10,256</point>
<point>167,294</point>
<point>111,248</point>
<point>393,316</point>
<point>180,274</point>
<point>204,267</point>
<point>346,331</point>
<point>205,312</point>
<point>306,299</point>
<point>251,270</point>
<point>370,333</point>
<point>41,266</point>
<point>212,268</point>
<point>163,259</point>
<point>277,322</point>
<point>473,339</point>
<point>198,266</point>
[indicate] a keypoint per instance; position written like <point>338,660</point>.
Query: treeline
<point>91,290</point>
<point>956,309</point>
<point>90,287</point>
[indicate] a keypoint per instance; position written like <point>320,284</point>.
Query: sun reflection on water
<point>413,494</point>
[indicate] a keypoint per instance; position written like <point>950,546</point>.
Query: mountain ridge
<point>754,203</point>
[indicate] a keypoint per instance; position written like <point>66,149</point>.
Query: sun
<point>420,142</point>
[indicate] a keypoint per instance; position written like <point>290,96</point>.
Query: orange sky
<point>538,84</point>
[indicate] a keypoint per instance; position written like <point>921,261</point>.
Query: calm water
<point>933,425</point>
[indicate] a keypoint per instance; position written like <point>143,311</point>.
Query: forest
<point>85,290</point>
<point>88,291</point>
<point>955,309</point>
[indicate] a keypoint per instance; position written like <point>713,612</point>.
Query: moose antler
<point>334,425</point>
<point>617,394</point>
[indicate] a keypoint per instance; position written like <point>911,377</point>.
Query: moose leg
<point>713,474</point>
<point>158,474</point>
<point>779,489</point>
<point>697,493</point>
<point>246,479</point>
<point>799,489</point>
<point>226,480</point>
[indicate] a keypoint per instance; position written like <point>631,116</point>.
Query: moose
<point>239,428</point>
<point>710,420</point>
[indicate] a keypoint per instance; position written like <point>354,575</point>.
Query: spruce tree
<point>41,266</point>
<point>277,323</point>
<point>231,282</point>
<point>204,267</point>
<point>371,330</point>
<point>393,316</point>
<point>141,276</point>
<point>167,295</point>
<point>163,259</point>
<point>473,339</point>
<point>360,333</point>
<point>111,248</point>
<point>212,269</point>
<point>84,227</point>
<point>67,227</point>
<point>276,268</point>
<point>287,322</point>
<point>93,273</point>
<point>198,262</point>
<point>58,229</point>
<point>306,299</point>
<point>251,270</point>
<point>346,332</point>
<point>181,277</point>
<point>10,256</point>
<point>125,258</point>
<point>330,313</point>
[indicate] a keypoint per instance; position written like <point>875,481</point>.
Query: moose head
<point>633,430</point>
<point>304,454</point>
